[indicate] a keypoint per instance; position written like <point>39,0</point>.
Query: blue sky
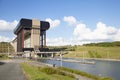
<point>72,21</point>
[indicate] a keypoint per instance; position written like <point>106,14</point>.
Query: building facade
<point>31,34</point>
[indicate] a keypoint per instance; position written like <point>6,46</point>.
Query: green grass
<point>95,52</point>
<point>3,56</point>
<point>48,73</point>
<point>84,74</point>
<point>35,73</point>
<point>50,70</point>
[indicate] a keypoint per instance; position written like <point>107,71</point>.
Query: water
<point>101,68</point>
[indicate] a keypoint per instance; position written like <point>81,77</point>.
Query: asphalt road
<point>11,71</point>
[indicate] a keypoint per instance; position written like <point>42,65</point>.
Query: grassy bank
<point>95,52</point>
<point>84,74</point>
<point>48,73</point>
<point>3,56</point>
<point>38,73</point>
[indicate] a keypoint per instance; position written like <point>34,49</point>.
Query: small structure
<point>31,35</point>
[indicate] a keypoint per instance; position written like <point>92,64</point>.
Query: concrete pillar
<point>35,33</point>
<point>44,39</point>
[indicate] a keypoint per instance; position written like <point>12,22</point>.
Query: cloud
<point>55,41</point>
<point>83,34</point>
<point>62,42</point>
<point>70,19</point>
<point>7,26</point>
<point>102,32</point>
<point>81,29</point>
<point>59,41</point>
<point>117,36</point>
<point>4,39</point>
<point>53,23</point>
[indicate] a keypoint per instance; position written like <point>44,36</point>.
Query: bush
<point>94,54</point>
<point>3,56</point>
<point>106,79</point>
<point>91,54</point>
<point>49,70</point>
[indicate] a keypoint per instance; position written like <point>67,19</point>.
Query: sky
<point>72,22</point>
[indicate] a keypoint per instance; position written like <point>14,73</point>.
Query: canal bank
<point>79,75</point>
<point>49,66</point>
<point>13,66</point>
<point>102,68</point>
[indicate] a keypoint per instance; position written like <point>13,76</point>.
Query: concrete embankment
<point>102,59</point>
<point>83,62</point>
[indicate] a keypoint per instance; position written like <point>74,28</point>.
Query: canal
<point>100,68</point>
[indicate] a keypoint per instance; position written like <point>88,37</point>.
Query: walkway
<point>11,71</point>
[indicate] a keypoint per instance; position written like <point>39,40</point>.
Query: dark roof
<point>24,23</point>
<point>44,25</point>
<point>27,24</point>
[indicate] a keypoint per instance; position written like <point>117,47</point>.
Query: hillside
<point>6,47</point>
<point>94,52</point>
<point>105,50</point>
<point>105,44</point>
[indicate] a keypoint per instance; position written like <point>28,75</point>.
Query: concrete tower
<point>31,34</point>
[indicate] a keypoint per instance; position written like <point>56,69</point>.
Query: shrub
<point>94,54</point>
<point>91,54</point>
<point>49,70</point>
<point>3,56</point>
<point>106,79</point>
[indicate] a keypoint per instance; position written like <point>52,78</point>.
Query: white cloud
<point>117,36</point>
<point>81,29</point>
<point>83,34</point>
<point>53,23</point>
<point>62,42</point>
<point>70,19</point>
<point>103,29</point>
<point>55,41</point>
<point>59,41</point>
<point>4,39</point>
<point>101,33</point>
<point>7,26</point>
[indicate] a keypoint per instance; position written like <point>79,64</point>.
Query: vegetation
<point>35,73</point>
<point>48,73</point>
<point>105,44</point>
<point>3,56</point>
<point>61,48</point>
<point>6,47</point>
<point>95,52</point>
<point>109,50</point>
<point>83,74</point>
<point>50,70</point>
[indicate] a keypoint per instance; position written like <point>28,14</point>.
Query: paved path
<point>11,71</point>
